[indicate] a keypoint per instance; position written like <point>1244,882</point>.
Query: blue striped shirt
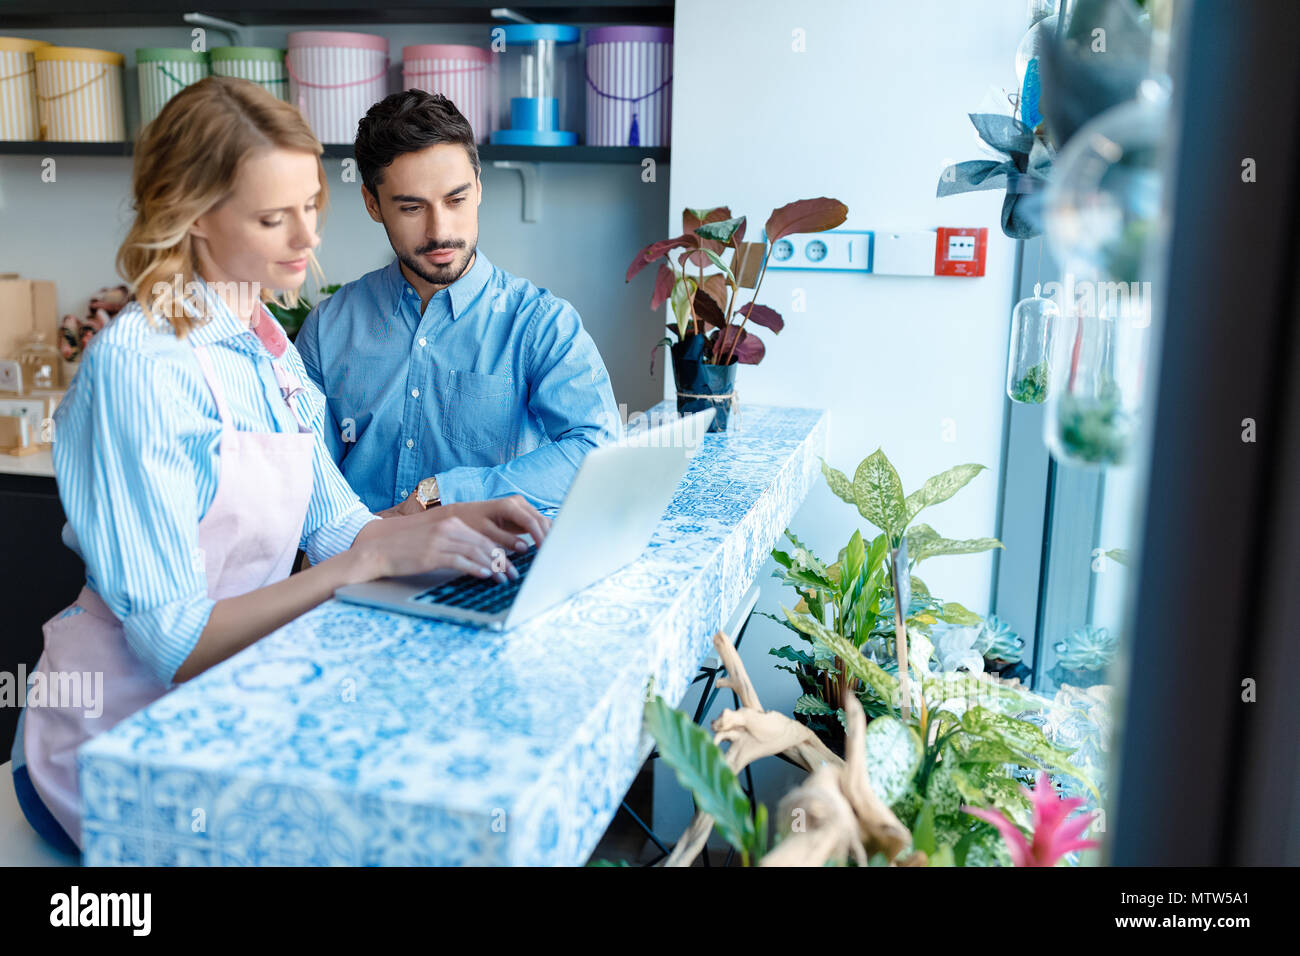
<point>136,457</point>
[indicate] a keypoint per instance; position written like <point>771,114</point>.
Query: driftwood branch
<point>834,815</point>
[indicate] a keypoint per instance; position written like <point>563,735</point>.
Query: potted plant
<point>907,790</point>
<point>854,597</point>
<point>965,739</point>
<point>1082,658</point>
<point>709,343</point>
<point>291,320</point>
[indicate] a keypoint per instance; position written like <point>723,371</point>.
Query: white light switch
<point>904,253</point>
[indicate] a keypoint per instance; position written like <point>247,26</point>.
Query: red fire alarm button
<point>960,252</point>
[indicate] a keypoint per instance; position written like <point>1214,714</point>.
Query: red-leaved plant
<point>704,305</point>
<point>1053,835</point>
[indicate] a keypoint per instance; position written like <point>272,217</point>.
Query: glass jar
<point>1098,365</point>
<point>1103,219</point>
<point>41,363</point>
<point>538,76</point>
<point>1033,323</point>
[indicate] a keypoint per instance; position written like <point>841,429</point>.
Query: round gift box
<point>629,86</point>
<point>263,65</point>
<point>164,72</point>
<point>79,94</point>
<point>466,75</point>
<point>18,112</point>
<point>334,77</point>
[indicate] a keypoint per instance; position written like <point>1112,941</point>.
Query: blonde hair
<point>186,163</point>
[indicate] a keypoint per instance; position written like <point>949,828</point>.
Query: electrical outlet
<point>839,250</point>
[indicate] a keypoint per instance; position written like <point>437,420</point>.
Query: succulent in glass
<point>1094,431</point>
<point>1088,648</point>
<point>955,648</point>
<point>1033,330</point>
<point>997,642</point>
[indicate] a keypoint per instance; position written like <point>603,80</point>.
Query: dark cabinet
<point>40,576</point>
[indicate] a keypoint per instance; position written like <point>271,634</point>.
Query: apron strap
<point>214,384</point>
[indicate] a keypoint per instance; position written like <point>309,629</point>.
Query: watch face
<point>426,490</point>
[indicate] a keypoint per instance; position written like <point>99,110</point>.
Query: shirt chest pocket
<point>478,409</point>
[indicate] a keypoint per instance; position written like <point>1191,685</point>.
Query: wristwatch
<point>426,492</point>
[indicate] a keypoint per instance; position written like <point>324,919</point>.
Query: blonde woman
<point>188,451</point>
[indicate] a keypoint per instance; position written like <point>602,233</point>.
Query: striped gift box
<point>164,72</point>
<point>466,75</point>
<point>79,94</point>
<point>18,114</point>
<point>629,86</point>
<point>334,78</point>
<point>262,65</point>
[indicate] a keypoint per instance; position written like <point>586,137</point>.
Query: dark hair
<point>404,123</point>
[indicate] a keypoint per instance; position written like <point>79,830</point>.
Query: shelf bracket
<point>505,13</point>
<point>532,186</point>
<point>231,29</point>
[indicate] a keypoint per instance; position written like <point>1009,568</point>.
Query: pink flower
<point>1053,835</point>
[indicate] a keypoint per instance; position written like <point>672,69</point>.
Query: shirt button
<point>423,342</point>
<point>410,443</point>
<point>403,492</point>
<point>415,393</point>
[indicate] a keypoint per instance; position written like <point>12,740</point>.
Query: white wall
<point>869,114</point>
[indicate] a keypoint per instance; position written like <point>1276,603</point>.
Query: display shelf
<point>486,153</point>
<point>18,15</point>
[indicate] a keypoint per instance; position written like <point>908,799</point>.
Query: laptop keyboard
<point>481,594</point>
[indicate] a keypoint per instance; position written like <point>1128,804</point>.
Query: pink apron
<point>248,538</point>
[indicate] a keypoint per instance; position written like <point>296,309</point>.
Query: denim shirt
<point>496,389</point>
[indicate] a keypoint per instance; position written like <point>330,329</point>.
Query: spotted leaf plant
<point>854,597</point>
<point>964,742</point>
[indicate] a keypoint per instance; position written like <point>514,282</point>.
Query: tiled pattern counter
<point>354,736</point>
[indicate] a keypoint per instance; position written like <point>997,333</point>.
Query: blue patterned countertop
<point>357,736</point>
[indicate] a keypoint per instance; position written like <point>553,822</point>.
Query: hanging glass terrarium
<point>1033,323</point>
<point>1102,217</point>
<point>1097,367</point>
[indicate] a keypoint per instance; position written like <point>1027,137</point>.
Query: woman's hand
<point>469,537</point>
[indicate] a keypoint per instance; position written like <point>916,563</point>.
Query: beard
<point>432,272</point>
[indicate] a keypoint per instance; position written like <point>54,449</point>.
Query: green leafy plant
<point>1032,387</point>
<point>854,596</point>
<point>1094,430</point>
<point>702,303</point>
<point>292,319</point>
<point>701,767</point>
<point>961,744</point>
<point>961,741</point>
<point>845,596</point>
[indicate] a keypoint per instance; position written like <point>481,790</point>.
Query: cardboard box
<point>26,306</point>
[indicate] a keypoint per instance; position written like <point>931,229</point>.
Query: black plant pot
<point>1077,678</point>
<point>695,378</point>
<point>827,730</point>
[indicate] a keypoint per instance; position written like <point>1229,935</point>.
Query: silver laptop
<point>605,522</point>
